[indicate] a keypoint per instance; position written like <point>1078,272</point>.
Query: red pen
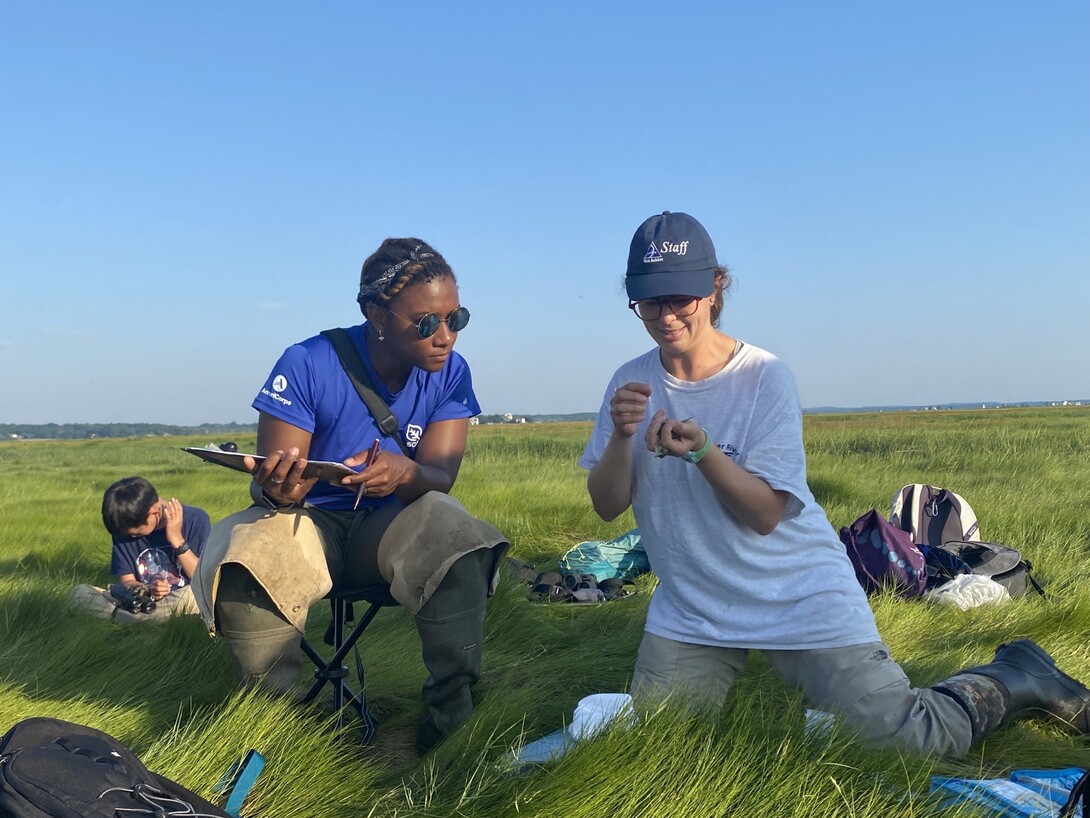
<point>371,455</point>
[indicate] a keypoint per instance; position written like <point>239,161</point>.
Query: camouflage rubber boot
<point>1021,678</point>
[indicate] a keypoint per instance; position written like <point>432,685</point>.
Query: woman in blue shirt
<point>392,523</point>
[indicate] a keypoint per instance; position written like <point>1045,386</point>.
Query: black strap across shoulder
<point>361,379</point>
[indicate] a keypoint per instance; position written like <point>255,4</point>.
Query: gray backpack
<point>998,562</point>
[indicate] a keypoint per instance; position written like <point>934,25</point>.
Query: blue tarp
<point>622,558</point>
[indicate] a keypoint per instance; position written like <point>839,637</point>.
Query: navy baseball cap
<point>671,254</point>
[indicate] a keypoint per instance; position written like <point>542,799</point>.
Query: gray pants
<point>98,602</point>
<point>861,684</point>
<point>261,607</point>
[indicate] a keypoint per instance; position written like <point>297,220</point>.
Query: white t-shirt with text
<point>720,582</point>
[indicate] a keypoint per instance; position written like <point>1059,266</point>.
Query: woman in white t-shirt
<point>702,436</point>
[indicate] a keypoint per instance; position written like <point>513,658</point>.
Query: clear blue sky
<point>902,190</point>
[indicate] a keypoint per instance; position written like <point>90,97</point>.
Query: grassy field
<point>168,691</point>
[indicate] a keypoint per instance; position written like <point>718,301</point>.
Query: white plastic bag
<point>967,591</point>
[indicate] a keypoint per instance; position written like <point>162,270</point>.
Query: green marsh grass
<point>168,691</point>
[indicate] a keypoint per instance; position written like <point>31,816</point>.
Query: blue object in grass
<point>1026,794</point>
<point>1054,783</point>
<point>239,779</point>
<point>620,558</point>
<point>545,749</point>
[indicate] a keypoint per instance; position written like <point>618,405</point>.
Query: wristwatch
<point>271,504</point>
<point>181,549</point>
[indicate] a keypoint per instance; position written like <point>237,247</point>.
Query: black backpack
<point>55,769</point>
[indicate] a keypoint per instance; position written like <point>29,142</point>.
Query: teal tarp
<point>622,557</point>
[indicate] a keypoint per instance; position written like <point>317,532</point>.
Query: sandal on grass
<point>549,587</point>
<point>553,586</point>
<point>523,571</point>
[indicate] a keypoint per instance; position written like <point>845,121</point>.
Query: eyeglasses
<point>428,325</point>
<point>652,309</point>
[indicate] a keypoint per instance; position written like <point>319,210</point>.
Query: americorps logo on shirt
<point>279,384</point>
<point>412,434</point>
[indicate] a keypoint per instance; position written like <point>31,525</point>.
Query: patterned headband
<point>377,286</point>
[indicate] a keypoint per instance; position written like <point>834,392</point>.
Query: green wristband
<point>698,455</point>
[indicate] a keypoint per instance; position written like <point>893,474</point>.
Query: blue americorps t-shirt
<point>309,388</point>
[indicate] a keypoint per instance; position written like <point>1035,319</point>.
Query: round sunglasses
<point>428,324</point>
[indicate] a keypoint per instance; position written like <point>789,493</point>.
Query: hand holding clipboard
<point>326,470</point>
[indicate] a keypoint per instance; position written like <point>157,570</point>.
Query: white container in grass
<point>593,714</point>
<point>819,723</point>
<point>596,712</point>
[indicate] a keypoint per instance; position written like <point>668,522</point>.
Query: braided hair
<point>395,265</point>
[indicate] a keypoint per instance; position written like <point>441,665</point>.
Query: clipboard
<point>327,470</point>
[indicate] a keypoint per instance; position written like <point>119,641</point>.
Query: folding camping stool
<point>334,671</point>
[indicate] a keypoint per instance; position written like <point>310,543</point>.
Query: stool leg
<point>264,647</point>
<point>451,628</point>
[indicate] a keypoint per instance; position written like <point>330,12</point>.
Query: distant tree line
<point>86,431</point>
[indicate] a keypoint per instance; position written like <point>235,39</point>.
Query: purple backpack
<point>884,556</point>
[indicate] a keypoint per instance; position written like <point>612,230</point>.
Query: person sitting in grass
<point>702,437</point>
<point>156,547</point>
<point>392,528</point>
